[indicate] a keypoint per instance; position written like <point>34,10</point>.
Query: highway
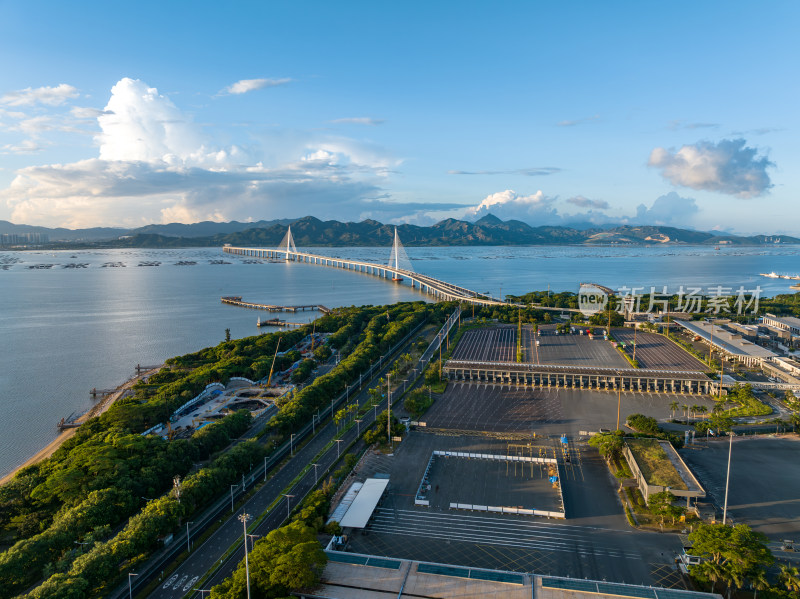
<point>209,555</point>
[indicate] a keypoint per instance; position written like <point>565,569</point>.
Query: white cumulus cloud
<point>248,85</point>
<point>728,167</point>
<point>138,123</point>
<point>51,96</point>
<point>509,204</point>
<point>155,165</point>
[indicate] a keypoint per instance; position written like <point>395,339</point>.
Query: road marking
<point>190,583</point>
<point>180,582</point>
<point>171,579</point>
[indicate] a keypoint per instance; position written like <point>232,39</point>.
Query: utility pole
<point>619,401</point>
<point>389,413</point>
<point>711,343</point>
<point>634,342</point>
<point>243,518</point>
<point>440,356</point>
<point>316,476</point>
<point>727,480</point>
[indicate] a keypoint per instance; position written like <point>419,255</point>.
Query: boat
<point>771,275</point>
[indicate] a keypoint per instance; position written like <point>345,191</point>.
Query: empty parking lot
<point>658,352</point>
<point>764,489</point>
<point>548,411</point>
<point>490,344</point>
<point>595,542</point>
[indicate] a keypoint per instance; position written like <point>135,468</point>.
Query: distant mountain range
<point>310,231</point>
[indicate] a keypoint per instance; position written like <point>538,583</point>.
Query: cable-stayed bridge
<point>397,270</point>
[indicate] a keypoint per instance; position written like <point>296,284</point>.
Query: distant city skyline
<point>126,115</point>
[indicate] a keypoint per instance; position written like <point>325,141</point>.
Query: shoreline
<point>95,410</point>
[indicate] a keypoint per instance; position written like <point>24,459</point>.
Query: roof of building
<point>356,576</point>
<point>360,511</point>
<point>729,343</point>
<point>787,320</point>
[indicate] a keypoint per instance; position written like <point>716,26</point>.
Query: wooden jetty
<point>68,422</point>
<point>277,322</point>
<point>101,392</point>
<point>236,300</point>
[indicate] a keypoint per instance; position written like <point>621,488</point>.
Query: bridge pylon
<point>287,243</point>
<point>399,259</point>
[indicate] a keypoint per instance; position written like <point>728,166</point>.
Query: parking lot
<point>594,542</point>
<point>657,352</point>
<point>570,350</point>
<point>764,490</point>
<point>501,408</point>
<point>492,483</point>
<point>491,344</point>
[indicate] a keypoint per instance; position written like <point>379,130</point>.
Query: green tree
<point>288,558</point>
<point>661,505</point>
<point>227,335</point>
<point>732,554</point>
<point>608,444</point>
<point>673,407</point>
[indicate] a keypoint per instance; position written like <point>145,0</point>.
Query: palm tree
<point>702,409</point>
<point>686,411</point>
<point>673,406</point>
<point>790,578</point>
<point>759,582</point>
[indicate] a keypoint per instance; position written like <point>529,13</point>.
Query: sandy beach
<point>95,410</point>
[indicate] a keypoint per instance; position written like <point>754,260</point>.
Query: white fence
<point>505,510</point>
<point>492,456</point>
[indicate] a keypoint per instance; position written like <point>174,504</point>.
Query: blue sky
<point>682,113</point>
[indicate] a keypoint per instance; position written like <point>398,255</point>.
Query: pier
<point>236,300</point>
<point>101,392</point>
<point>68,422</point>
<point>277,322</point>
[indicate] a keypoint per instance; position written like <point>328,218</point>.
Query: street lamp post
<point>291,444</point>
<point>358,427</point>
<point>232,488</point>
<point>265,468</point>
<point>243,518</point>
<point>376,411</point>
<point>188,547</point>
<point>727,479</point>
<point>130,587</point>
<point>288,505</point>
<point>338,441</point>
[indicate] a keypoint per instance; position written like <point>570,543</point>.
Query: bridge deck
<point>433,286</point>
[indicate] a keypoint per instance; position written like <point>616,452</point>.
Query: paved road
<point>208,555</point>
